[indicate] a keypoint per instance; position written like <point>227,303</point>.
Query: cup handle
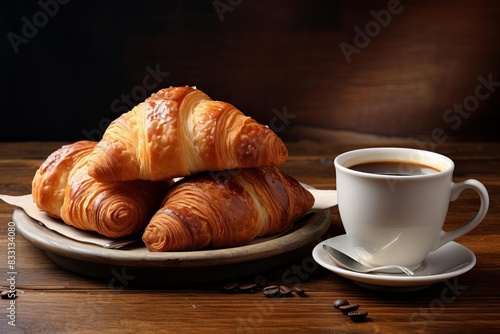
<point>456,190</point>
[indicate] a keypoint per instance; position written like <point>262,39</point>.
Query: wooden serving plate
<point>137,265</point>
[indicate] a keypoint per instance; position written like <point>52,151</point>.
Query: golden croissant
<point>180,131</point>
<point>224,209</point>
<point>63,189</point>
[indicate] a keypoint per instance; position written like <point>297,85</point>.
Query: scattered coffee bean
<point>269,290</point>
<point>358,316</point>
<point>352,310</point>
<point>340,302</point>
<point>299,291</point>
<point>8,294</point>
<point>231,287</point>
<point>348,308</point>
<point>247,287</point>
<point>272,291</point>
<point>285,291</point>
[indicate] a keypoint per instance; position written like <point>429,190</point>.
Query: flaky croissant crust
<point>180,131</point>
<point>225,209</point>
<point>51,178</point>
<point>63,189</point>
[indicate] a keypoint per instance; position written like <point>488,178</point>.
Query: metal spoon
<point>347,262</point>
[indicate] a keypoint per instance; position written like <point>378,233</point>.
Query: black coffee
<point>395,168</point>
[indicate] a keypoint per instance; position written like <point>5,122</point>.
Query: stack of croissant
<point>230,189</point>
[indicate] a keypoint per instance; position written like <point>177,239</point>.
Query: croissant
<point>63,189</point>
<point>224,209</point>
<point>180,131</point>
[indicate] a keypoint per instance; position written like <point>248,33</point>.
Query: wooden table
<point>54,300</point>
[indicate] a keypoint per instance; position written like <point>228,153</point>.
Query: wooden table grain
<point>54,300</point>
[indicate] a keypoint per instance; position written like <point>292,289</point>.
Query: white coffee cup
<point>398,219</point>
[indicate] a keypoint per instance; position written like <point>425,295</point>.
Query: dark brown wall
<point>280,62</point>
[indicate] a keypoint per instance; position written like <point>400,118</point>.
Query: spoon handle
<point>407,271</point>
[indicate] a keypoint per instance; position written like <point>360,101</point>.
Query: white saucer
<point>449,261</point>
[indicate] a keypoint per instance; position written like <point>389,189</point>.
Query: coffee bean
<point>299,291</point>
<point>340,302</point>
<point>357,316</point>
<point>231,287</point>
<point>285,291</point>
<point>272,291</point>
<point>247,287</point>
<point>348,308</point>
<point>8,294</point>
<point>352,310</point>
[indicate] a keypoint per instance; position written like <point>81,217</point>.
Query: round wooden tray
<point>139,266</point>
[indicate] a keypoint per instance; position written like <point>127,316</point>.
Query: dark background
<point>73,75</point>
